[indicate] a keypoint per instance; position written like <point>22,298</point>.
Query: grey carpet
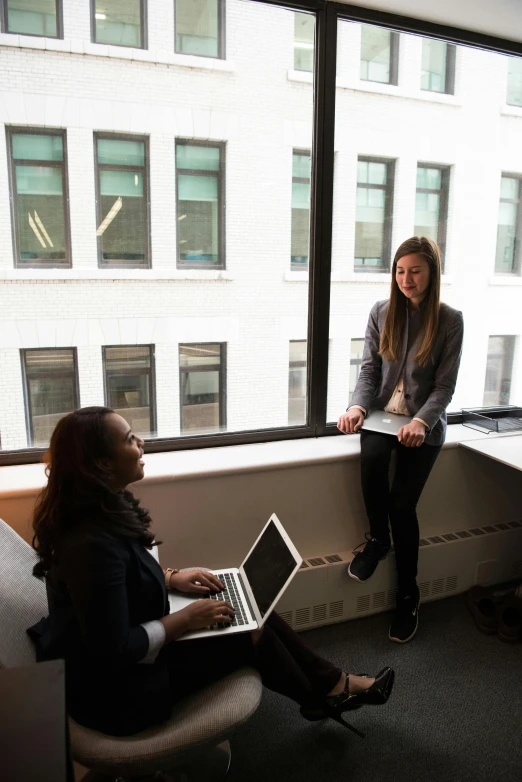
<point>455,712</point>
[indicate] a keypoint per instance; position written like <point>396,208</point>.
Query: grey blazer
<point>427,390</point>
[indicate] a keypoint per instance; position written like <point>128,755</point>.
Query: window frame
<point>145,169</point>
<point>517,253</point>
<point>221,178</point>
<point>13,130</point>
<point>509,345</point>
<point>221,37</point>
<point>151,372</point>
<point>394,60</point>
<point>28,408</point>
<point>389,189</point>
<point>4,22</point>
<point>451,58</point>
<point>443,192</point>
<point>143,27</point>
<point>222,384</point>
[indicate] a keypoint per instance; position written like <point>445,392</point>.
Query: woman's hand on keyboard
<point>205,613</point>
<point>201,582</point>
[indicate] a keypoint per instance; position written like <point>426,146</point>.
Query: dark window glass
<point>33,17</point>
<point>199,27</point>
<point>379,55</point>
<point>123,212</point>
<point>499,368</point>
<point>297,382</point>
<point>304,32</point>
<point>507,257</point>
<point>51,390</point>
<point>200,208</point>
<point>514,82</point>
<point>431,203</point>
<point>129,386</point>
<point>202,376</point>
<point>118,22</point>
<point>301,170</point>
<point>373,214</point>
<point>39,186</point>
<point>438,66</point>
<point>356,354</point>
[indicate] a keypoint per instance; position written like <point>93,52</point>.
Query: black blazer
<point>100,590</point>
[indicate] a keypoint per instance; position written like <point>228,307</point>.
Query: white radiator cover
<point>322,592</point>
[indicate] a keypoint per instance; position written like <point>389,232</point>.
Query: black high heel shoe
<point>334,705</point>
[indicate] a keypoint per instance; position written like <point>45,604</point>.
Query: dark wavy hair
<point>78,490</point>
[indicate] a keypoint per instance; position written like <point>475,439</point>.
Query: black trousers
<point>398,503</point>
<point>286,663</point>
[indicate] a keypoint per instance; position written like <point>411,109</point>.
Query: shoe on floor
<point>509,617</point>
<point>482,607</point>
<point>405,618</point>
<point>366,560</point>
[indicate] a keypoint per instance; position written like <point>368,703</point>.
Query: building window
<point>200,27</point>
<point>200,204</point>
<point>50,388</point>
<point>356,355</point>
<point>431,203</point>
<point>379,55</point>
<point>119,22</point>
<point>40,200</point>
<point>507,257</point>
<point>499,369</point>
<point>514,83</point>
<point>202,380</point>
<point>122,201</point>
<point>304,33</point>
<point>300,241</point>
<point>438,66</point>
<point>26,17</point>
<point>297,382</point>
<point>373,215</point>
<point>129,386</point>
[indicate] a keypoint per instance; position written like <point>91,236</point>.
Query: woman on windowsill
<point>108,608</point>
<point>410,364</point>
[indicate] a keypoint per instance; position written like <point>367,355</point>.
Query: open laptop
<point>386,423</point>
<point>255,587</point>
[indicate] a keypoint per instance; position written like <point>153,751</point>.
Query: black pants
<point>397,504</point>
<point>286,664</point>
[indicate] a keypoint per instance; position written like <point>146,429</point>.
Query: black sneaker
<point>406,618</point>
<point>365,561</point>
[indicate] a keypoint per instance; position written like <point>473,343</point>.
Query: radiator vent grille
<point>424,588</point>
<point>334,558</point>
<point>316,561</point>
<point>451,583</point>
<point>287,617</point>
<point>437,586</point>
<point>392,594</point>
<point>336,609</point>
<point>379,599</point>
<point>517,568</point>
<point>304,564</point>
<point>319,613</point>
<point>302,616</point>
<point>363,603</point>
<point>515,524</point>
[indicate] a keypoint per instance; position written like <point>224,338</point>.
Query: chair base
<point>211,766</point>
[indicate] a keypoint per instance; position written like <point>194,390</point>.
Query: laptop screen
<point>268,567</point>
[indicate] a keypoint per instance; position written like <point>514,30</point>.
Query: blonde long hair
<point>395,323</point>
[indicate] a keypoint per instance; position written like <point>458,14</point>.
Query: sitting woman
<point>108,607</point>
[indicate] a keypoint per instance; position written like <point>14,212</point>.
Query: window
<point>514,84</point>
<point>297,382</point>
<point>379,55</point>
<point>129,385</point>
<point>122,203</point>
<point>438,66</point>
<point>499,368</point>
<point>119,22</point>
<point>50,388</point>
<point>431,203</point>
<point>507,258</point>
<point>301,170</point>
<point>200,27</point>
<point>356,354</point>
<point>304,32</point>
<point>373,215</point>
<point>27,17</point>
<point>39,198</point>
<point>200,199</point>
<point>202,376</point>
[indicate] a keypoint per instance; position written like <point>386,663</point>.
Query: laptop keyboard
<point>231,595</point>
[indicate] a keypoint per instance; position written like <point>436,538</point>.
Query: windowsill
<point>115,274</point>
<point>399,92</point>
<point>79,46</point>
<point>27,480</point>
<point>511,111</point>
<point>505,279</point>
